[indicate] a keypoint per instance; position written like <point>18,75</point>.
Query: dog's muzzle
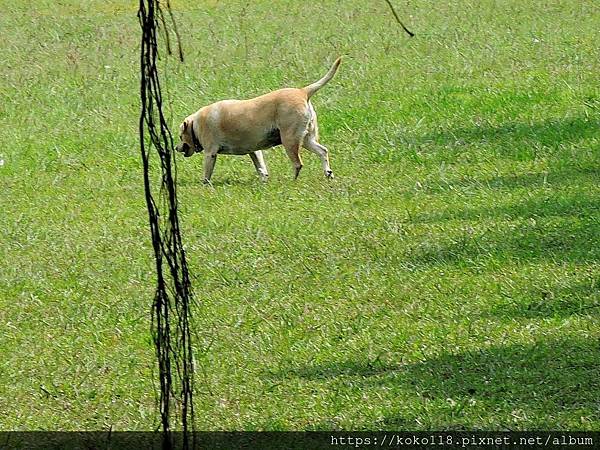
<point>185,149</point>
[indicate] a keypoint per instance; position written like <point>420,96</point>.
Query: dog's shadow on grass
<point>220,182</point>
<point>548,378</point>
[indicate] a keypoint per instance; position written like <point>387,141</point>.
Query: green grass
<point>449,278</point>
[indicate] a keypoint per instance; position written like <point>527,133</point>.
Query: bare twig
<point>410,33</point>
<point>180,50</point>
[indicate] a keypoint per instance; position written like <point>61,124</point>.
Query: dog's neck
<point>197,145</point>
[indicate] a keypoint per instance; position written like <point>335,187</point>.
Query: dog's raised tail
<point>312,88</point>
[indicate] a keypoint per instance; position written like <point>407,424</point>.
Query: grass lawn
<point>448,278</point>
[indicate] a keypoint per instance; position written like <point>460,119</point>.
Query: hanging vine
<point>171,309</point>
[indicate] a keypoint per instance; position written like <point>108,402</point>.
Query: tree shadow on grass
<point>548,379</point>
<point>553,227</point>
<point>549,134</point>
<point>544,205</point>
<point>524,138</point>
<point>577,297</point>
<point>542,382</point>
<point>556,240</point>
<point>565,176</point>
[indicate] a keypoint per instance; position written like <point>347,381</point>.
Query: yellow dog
<point>246,127</point>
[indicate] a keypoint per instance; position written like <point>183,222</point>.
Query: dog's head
<point>189,143</point>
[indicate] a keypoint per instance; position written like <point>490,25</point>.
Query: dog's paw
<point>329,174</point>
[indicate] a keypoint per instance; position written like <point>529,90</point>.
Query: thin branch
<point>410,33</point>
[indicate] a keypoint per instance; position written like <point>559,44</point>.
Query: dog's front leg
<point>210,157</point>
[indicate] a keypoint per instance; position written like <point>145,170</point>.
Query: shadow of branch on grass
<point>223,181</point>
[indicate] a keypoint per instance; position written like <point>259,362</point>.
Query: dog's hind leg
<point>292,141</point>
<point>293,151</point>
<point>259,162</point>
<point>311,144</point>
